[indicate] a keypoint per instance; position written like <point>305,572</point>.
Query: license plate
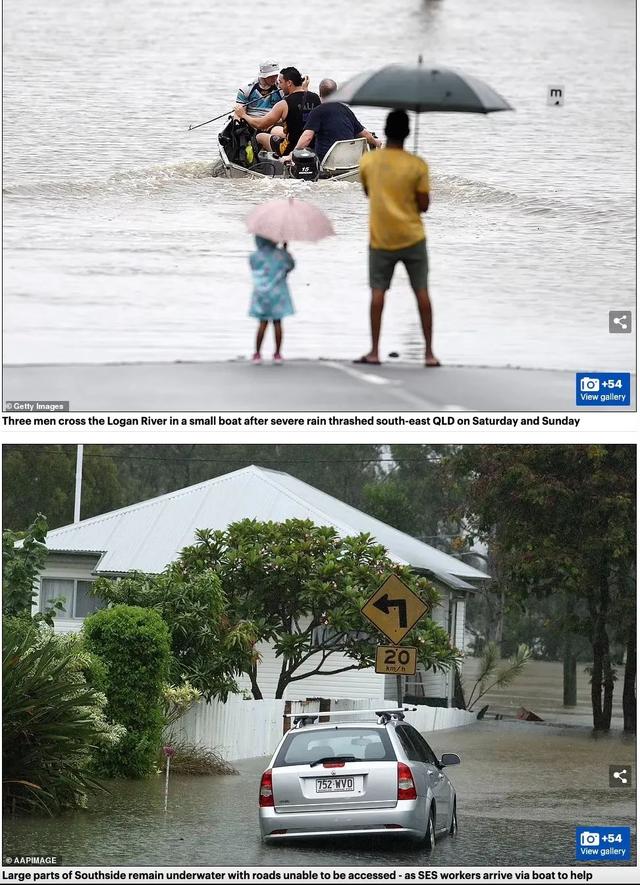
<point>335,785</point>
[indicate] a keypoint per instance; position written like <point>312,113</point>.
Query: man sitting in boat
<point>261,95</point>
<point>286,119</point>
<point>332,121</point>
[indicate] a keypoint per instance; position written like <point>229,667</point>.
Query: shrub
<point>196,760</point>
<point>19,630</point>
<point>52,724</point>
<point>134,644</point>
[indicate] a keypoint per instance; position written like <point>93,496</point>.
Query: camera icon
<point>589,385</point>
<point>590,839</point>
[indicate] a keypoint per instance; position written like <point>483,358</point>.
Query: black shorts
<point>278,144</point>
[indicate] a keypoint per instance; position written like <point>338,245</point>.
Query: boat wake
<point>448,190</point>
<point>153,178</point>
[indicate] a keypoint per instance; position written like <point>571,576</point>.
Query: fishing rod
<point>219,117</point>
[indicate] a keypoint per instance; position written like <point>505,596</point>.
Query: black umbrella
<point>420,89</point>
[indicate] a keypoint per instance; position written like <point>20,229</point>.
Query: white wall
<point>242,729</point>
<point>352,683</point>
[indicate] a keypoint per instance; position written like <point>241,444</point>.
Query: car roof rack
<point>384,716</point>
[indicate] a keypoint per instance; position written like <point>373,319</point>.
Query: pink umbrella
<point>286,220</point>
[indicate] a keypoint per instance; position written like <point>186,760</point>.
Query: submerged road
<point>522,789</point>
<point>295,386</point>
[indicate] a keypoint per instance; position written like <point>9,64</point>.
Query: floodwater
<point>119,245</point>
<point>540,688</point>
<point>522,789</point>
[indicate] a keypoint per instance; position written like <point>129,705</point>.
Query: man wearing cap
<point>261,95</point>
<point>280,129</point>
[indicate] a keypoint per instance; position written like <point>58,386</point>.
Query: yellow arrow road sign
<point>394,608</point>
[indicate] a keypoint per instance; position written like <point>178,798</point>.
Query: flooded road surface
<point>522,789</point>
<point>539,688</point>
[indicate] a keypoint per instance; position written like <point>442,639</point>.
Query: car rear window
<point>363,743</point>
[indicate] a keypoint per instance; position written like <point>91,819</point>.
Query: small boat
<point>241,157</point>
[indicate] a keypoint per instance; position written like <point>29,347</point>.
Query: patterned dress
<point>271,299</point>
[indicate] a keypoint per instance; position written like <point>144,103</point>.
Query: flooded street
<point>522,789</point>
<point>120,246</point>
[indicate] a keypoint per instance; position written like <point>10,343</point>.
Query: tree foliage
<point>21,566</point>
<point>210,643</point>
<point>133,643</point>
<point>302,587</point>
<point>561,520</point>
<point>420,495</point>
<point>295,585</point>
<point>40,478</point>
<point>492,676</point>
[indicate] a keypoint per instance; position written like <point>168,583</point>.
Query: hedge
<point>134,644</point>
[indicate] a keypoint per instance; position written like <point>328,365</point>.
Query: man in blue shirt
<point>261,95</point>
<point>332,121</point>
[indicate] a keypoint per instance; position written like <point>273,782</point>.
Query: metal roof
<point>149,535</point>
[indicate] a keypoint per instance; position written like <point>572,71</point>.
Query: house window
<point>78,602</point>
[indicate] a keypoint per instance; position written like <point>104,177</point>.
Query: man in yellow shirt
<point>397,184</point>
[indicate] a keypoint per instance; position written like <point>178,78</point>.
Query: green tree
<point>42,478</point>
<point>561,520</point>
<point>209,644</point>
<point>145,471</point>
<point>418,493</point>
<point>302,586</point>
<point>21,565</point>
<point>133,643</point>
<point>295,585</point>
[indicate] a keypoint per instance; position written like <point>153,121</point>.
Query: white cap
<point>269,69</point>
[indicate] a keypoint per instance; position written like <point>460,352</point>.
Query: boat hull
<point>234,170</point>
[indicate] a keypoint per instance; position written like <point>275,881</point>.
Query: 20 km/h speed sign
<point>395,660</point>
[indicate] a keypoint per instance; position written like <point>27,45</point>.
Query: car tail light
<point>406,786</point>
<point>333,764</point>
<point>266,790</point>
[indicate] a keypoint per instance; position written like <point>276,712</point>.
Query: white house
<point>148,536</point>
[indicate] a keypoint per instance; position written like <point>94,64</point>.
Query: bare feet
<point>368,359</point>
<point>431,362</point>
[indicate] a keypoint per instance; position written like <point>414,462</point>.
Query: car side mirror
<point>450,759</point>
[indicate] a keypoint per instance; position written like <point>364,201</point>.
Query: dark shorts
<point>278,144</point>
<point>382,263</point>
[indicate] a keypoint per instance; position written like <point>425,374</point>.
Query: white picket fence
<point>240,729</point>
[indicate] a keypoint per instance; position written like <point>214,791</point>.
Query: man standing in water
<point>397,184</point>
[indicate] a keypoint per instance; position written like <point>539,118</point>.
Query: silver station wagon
<point>346,778</point>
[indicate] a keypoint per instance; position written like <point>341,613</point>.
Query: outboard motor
<point>305,165</point>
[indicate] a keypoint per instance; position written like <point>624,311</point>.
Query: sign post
<point>395,609</point>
